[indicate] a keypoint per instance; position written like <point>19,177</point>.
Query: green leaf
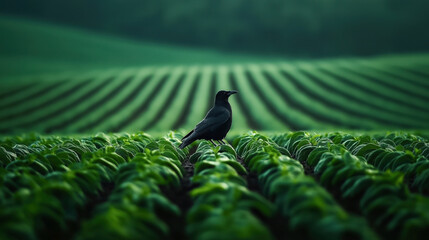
<point>364,149</point>
<point>209,188</point>
<point>358,188</point>
<point>314,156</point>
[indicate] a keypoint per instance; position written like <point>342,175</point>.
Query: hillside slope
<point>30,46</point>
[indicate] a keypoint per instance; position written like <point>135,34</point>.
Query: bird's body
<point>215,124</point>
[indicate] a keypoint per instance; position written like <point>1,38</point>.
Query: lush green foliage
<point>308,185</point>
<point>344,164</point>
<point>47,186</point>
<point>223,205</point>
<point>309,208</point>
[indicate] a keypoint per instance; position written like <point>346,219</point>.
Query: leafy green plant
<point>123,186</point>
<point>223,206</point>
<point>307,206</point>
<point>366,178</point>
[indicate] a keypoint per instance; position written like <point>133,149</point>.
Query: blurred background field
<point>89,66</point>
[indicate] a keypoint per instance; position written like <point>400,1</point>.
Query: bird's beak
<point>231,92</point>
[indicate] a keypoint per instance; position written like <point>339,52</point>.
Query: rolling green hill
<point>29,46</point>
<point>71,81</point>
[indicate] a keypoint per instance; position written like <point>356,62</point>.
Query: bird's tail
<point>186,141</point>
<point>183,145</point>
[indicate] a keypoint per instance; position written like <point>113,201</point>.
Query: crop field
<point>295,185</point>
<point>344,94</point>
<point>319,148</point>
<point>160,93</point>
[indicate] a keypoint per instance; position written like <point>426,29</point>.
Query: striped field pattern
<point>336,94</point>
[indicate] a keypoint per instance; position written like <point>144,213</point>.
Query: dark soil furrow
<point>358,100</point>
<point>244,106</point>
<point>293,102</point>
<point>407,80</point>
<point>118,106</point>
<point>17,90</point>
<point>171,96</point>
<point>402,102</point>
<point>144,105</point>
<point>37,94</point>
<point>92,107</point>
<point>69,106</point>
<point>331,104</point>
<point>181,120</point>
<point>212,91</point>
<point>414,72</point>
<point>47,102</point>
<point>402,90</point>
<point>275,111</point>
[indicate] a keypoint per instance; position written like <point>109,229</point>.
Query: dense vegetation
<point>299,185</point>
<point>307,28</point>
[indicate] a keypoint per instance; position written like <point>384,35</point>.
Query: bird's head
<point>224,95</point>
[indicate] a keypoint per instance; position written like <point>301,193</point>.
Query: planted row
<point>382,197</point>
<point>137,207</point>
<point>284,95</point>
<point>223,207</point>
<point>403,153</point>
<point>45,194</point>
<point>400,154</point>
<point>311,212</point>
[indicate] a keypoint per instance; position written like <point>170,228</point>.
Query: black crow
<point>215,124</point>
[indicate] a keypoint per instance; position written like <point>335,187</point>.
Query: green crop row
<point>47,187</point>
<point>409,156</point>
<point>294,185</point>
<point>289,96</point>
<point>223,207</point>
<point>311,211</point>
<point>381,196</point>
<point>137,208</point>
